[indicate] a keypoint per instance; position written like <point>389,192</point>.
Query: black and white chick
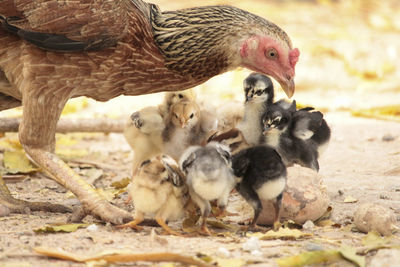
<point>263,177</point>
<point>209,176</point>
<point>259,93</point>
<point>158,190</point>
<point>297,135</point>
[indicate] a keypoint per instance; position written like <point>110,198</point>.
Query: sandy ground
<point>357,163</point>
<point>337,72</point>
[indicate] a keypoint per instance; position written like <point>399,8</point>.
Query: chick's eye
<point>180,95</point>
<point>271,53</point>
<point>176,115</point>
<point>191,116</point>
<point>259,92</point>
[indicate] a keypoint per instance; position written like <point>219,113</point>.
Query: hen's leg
<point>42,108</point>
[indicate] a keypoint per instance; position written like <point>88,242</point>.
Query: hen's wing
<point>75,25</point>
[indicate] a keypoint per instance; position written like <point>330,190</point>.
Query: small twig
<point>102,125</point>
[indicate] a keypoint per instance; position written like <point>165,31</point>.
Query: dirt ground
<point>362,160</point>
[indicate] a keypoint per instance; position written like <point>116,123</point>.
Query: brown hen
<point>52,50</point>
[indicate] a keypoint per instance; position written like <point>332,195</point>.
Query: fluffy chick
<point>259,93</point>
<point>263,177</point>
<point>144,128</point>
<point>183,128</point>
<point>291,133</point>
<point>159,190</point>
<point>229,115</point>
<point>209,176</point>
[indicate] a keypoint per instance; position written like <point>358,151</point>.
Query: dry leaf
<point>323,256</point>
<point>349,254</point>
<point>119,256</point>
<point>17,162</point>
<point>66,154</point>
<point>282,233</point>
<point>230,262</point>
<point>350,199</point>
<point>391,113</point>
<point>308,258</point>
<point>222,225</point>
<point>121,183</point>
<point>66,228</point>
<point>373,238</point>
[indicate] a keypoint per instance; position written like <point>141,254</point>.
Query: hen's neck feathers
<point>205,41</point>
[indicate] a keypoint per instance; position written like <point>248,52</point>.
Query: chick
<point>159,190</point>
<point>310,124</point>
<point>229,115</point>
<point>209,176</point>
<point>263,177</point>
<point>259,93</point>
<point>183,128</point>
<point>232,138</point>
<point>143,132</point>
<point>144,128</point>
<point>282,129</point>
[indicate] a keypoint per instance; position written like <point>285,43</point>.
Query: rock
<point>305,198</point>
<point>371,216</point>
<point>4,211</point>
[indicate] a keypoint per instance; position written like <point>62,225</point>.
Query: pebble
<point>252,245</point>
<point>308,225</point>
<point>4,211</point>
<point>92,228</point>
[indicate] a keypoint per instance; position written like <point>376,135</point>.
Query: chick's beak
<point>288,86</point>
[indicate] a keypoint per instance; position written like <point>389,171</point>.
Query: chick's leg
<point>139,217</point>
<point>205,209</point>
<point>37,135</point>
<point>252,198</point>
<point>160,220</point>
<point>277,206</point>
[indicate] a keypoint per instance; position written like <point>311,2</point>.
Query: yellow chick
<point>144,128</point>
<point>158,190</point>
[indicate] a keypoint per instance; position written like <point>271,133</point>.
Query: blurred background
<point>349,58</point>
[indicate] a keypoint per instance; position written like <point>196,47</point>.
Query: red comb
<point>294,57</point>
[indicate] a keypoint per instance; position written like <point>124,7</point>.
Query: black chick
<point>263,178</point>
<point>259,93</point>
<point>282,129</point>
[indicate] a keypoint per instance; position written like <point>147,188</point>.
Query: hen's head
<point>272,56</point>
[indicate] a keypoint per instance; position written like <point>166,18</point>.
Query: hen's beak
<point>288,86</point>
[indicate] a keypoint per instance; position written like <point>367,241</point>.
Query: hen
<point>52,50</point>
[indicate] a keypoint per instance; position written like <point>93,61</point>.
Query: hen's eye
<point>272,53</point>
<point>191,116</point>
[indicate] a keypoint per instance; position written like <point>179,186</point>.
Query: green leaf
<point>311,257</point>
<point>66,228</point>
<point>17,162</point>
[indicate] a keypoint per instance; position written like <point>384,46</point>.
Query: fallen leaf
<point>349,254</point>
<point>66,228</point>
<point>391,113</point>
<point>373,238</point>
<point>189,224</point>
<point>121,183</point>
<point>75,105</point>
<point>67,154</point>
<point>282,233</point>
<point>230,262</point>
<point>222,225</point>
<point>17,162</point>
<point>350,199</point>
<point>308,258</point>
<point>116,256</point>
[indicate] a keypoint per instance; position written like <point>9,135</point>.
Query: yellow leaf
<point>230,262</point>
<point>75,105</point>
<point>283,233</point>
<point>308,258</point>
<point>391,113</point>
<point>66,228</point>
<point>71,153</point>
<point>349,254</point>
<point>10,144</point>
<point>17,162</point>
<point>121,183</point>
<point>65,140</point>
<point>222,225</point>
<point>374,239</point>
<point>350,199</point>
